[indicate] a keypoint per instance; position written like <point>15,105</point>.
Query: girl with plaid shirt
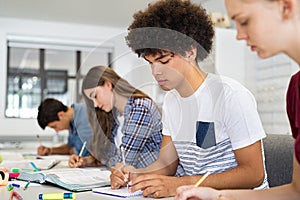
<point>119,115</point>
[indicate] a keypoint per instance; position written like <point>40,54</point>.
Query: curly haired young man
<point>210,122</point>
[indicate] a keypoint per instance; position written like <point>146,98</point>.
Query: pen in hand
<point>201,179</point>
<point>81,151</point>
<point>124,163</point>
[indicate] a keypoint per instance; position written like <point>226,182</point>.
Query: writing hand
<point>120,175</point>
<point>153,184</point>
<point>74,161</point>
<point>43,151</point>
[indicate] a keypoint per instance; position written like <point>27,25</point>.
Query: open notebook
<point>122,192</point>
<point>36,164</point>
<point>73,179</point>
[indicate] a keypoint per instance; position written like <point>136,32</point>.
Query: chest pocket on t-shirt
<point>205,135</point>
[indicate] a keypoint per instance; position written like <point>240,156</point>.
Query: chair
<point>279,150</point>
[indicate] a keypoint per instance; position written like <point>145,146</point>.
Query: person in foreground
<point>210,122</point>
<point>269,27</point>
<point>56,115</point>
<point>121,116</point>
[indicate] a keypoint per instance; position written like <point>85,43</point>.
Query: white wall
<point>229,60</point>
<point>267,79</point>
<point>101,35</point>
<point>230,55</point>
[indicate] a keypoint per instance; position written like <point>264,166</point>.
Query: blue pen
<point>15,185</point>
<point>34,166</point>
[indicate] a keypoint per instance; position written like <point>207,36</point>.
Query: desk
<point>32,192</point>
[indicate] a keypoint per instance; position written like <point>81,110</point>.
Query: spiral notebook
<point>122,192</point>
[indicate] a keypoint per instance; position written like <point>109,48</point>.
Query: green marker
<point>15,170</point>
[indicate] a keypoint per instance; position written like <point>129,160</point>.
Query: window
<point>39,70</point>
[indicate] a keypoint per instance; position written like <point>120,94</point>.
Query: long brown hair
<point>102,122</point>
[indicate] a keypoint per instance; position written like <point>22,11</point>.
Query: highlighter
<point>58,196</point>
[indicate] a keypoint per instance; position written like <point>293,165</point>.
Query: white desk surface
<point>32,192</point>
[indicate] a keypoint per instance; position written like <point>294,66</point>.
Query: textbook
<point>72,179</point>
<point>37,164</point>
<point>122,192</point>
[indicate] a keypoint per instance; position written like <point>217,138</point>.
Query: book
<point>122,192</point>
<point>55,157</point>
<point>72,179</point>
<point>37,164</point>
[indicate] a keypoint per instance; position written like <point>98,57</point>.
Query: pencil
<point>123,154</point>
<point>201,179</point>
<point>81,151</point>
<point>124,163</point>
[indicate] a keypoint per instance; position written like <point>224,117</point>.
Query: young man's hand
<point>120,175</point>
<point>75,161</point>
<point>43,151</point>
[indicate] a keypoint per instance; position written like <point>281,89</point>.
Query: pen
<point>34,166</point>
<point>57,196</point>
<point>27,185</point>
<point>39,139</point>
<point>15,185</point>
<point>201,179</point>
<point>123,161</point>
<point>81,151</point>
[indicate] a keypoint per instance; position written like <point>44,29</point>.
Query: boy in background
<point>56,115</point>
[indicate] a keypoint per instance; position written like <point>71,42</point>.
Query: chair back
<point>279,151</point>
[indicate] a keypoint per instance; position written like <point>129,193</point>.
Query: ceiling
<point>112,13</point>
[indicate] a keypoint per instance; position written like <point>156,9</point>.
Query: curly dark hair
<point>171,25</point>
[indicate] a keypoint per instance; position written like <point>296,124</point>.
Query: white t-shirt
<point>221,116</point>
<point>118,138</point>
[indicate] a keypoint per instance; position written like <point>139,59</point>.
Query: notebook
<point>72,179</point>
<point>122,192</point>
<point>37,164</point>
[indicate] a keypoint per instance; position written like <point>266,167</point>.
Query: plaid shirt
<point>142,133</point>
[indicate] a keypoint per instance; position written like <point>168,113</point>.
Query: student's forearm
<point>236,178</point>
<point>62,149</point>
<point>276,193</point>
<point>249,172</point>
<point>167,161</point>
<point>161,168</point>
<point>93,162</point>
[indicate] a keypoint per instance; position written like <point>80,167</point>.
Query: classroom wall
<point>228,62</point>
<point>123,59</point>
<point>230,55</point>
